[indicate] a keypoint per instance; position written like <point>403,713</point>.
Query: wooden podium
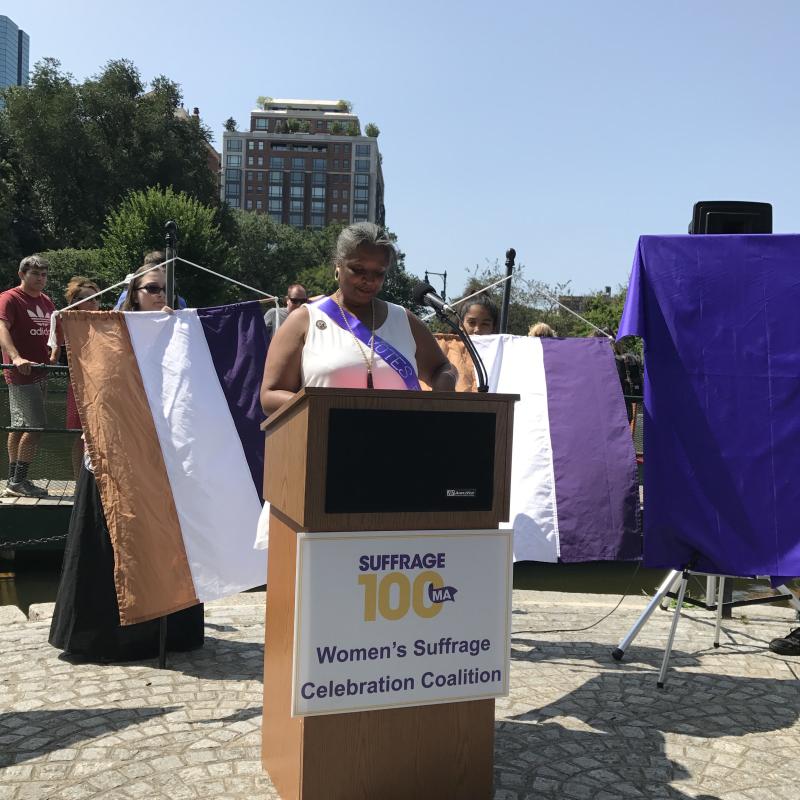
<point>371,460</point>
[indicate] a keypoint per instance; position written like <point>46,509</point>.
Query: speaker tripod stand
<point>715,587</point>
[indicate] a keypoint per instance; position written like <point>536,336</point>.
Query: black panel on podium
<point>385,461</point>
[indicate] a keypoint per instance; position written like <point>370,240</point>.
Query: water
<point>29,578</point>
<point>32,577</point>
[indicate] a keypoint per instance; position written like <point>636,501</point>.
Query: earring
<point>336,274</point>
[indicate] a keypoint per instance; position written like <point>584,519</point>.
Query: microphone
<point>425,295</point>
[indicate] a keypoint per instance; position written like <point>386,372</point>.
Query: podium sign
<point>391,619</point>
<point>377,643</point>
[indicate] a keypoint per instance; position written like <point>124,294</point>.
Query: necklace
<point>367,361</point>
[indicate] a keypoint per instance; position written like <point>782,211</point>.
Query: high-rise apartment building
<point>14,53</point>
<point>305,163</point>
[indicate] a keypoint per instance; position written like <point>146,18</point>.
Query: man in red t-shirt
<point>24,329</point>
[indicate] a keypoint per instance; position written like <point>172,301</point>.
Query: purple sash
<point>393,357</point>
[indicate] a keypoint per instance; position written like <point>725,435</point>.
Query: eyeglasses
<point>369,274</point>
<point>152,288</point>
<point>297,301</point>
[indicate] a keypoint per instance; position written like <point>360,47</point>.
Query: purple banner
<point>718,315</point>
<point>237,339</point>
<point>593,458</point>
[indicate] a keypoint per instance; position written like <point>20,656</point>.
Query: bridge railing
<point>53,463</point>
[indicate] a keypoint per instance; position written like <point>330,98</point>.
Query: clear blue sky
<point>564,130</point>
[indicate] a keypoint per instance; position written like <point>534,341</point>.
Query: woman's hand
<point>432,364</point>
<point>444,378</point>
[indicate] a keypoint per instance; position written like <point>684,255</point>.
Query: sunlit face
<point>478,321</point>
<point>361,277</point>
<point>34,280</point>
<point>151,294</point>
<point>296,298</point>
<point>79,299</point>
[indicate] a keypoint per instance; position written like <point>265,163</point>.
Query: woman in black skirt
<point>86,617</point>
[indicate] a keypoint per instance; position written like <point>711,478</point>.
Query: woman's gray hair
<point>366,234</point>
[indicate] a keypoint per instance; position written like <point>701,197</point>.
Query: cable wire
<point>604,617</point>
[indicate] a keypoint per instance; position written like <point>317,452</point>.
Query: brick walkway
<point>577,724</point>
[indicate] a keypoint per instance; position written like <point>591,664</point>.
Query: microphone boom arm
<point>480,369</point>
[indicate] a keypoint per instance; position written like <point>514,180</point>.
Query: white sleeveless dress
<point>331,358</point>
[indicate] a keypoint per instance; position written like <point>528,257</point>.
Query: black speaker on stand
<point>731,216</point>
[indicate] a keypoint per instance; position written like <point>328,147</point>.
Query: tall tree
<point>535,301</point>
<point>80,147</point>
<point>66,263</point>
<point>137,226</point>
<point>269,256</point>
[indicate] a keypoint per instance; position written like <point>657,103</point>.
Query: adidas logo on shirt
<point>42,319</point>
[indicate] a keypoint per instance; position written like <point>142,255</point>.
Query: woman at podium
<point>351,339</point>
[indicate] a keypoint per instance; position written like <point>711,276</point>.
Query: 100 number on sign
<point>394,595</point>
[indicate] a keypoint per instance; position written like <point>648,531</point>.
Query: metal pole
<point>511,254</point>
<point>443,276</point>
<point>162,642</point>
<point>171,251</point>
<point>726,598</point>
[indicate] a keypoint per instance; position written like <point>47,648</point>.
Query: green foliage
<point>230,125</point>
<point>522,312</point>
<point>66,263</point>
<point>605,310</point>
<point>534,301</point>
<point>76,149</point>
<point>317,279</point>
<point>345,106</point>
<point>293,125</point>
<point>337,128</point>
<point>269,256</point>
<point>10,249</point>
<point>137,226</point>
<point>263,101</point>
<point>352,129</point>
<point>372,130</point>
<point>399,285</point>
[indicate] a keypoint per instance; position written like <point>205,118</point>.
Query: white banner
<point>388,619</point>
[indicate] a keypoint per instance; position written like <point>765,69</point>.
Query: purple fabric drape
<point>597,494</point>
<point>237,339</point>
<point>719,318</point>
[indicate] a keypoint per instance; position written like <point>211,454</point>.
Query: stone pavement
<point>576,725</point>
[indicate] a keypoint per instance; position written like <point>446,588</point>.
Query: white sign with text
<point>388,619</point>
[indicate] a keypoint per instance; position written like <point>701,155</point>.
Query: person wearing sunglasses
<point>85,620</point>
<point>147,292</point>
<point>296,297</point>
<point>156,258</point>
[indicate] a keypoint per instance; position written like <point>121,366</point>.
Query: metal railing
<point>53,460</point>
